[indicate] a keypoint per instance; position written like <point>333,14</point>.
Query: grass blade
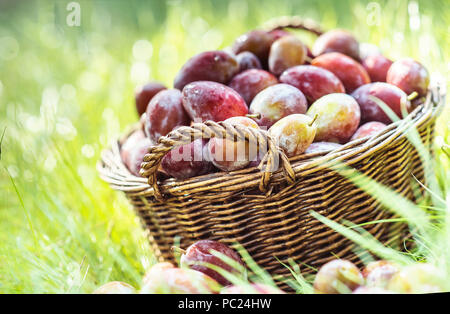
<point>367,242</point>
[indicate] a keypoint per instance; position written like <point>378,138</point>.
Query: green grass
<point>66,92</point>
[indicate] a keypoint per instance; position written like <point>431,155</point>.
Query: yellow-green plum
<point>379,273</point>
<point>293,133</point>
<point>238,120</point>
<point>338,117</point>
<point>286,52</point>
<point>417,278</point>
<point>338,276</point>
<point>376,264</point>
<point>276,102</point>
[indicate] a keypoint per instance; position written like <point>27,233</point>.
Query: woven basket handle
<point>208,130</point>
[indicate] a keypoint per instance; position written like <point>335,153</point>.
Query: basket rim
<point>112,170</point>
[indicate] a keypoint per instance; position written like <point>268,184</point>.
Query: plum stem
<point>253,115</point>
<point>412,96</point>
<point>314,120</point>
<point>178,250</point>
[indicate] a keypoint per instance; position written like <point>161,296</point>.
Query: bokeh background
<point>66,91</point>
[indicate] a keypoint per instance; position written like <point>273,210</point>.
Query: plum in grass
<point>379,273</point>
<point>371,290</point>
<point>338,276</point>
<point>115,287</point>
<point>206,100</point>
<point>312,81</point>
<point>286,52</point>
<point>351,73</point>
<point>392,96</point>
<point>293,133</point>
<point>338,117</point>
<point>250,82</point>
<point>368,129</point>
<point>187,161</point>
<point>171,280</point>
<point>247,61</point>
<point>276,102</point>
<point>154,270</point>
<point>257,42</point>
<point>417,278</point>
<point>145,93</point>
<point>217,66</point>
<point>254,288</point>
<point>337,40</point>
<point>164,113</point>
<point>377,67</point>
<point>409,75</point>
<point>202,252</point>
<point>228,154</point>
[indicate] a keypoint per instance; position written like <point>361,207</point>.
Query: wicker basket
<point>268,212</point>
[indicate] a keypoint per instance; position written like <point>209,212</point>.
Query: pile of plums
<point>202,269</point>
<point>378,277</point>
<point>309,100</point>
<point>206,267</point>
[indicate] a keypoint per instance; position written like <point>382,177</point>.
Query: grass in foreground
<point>66,92</point>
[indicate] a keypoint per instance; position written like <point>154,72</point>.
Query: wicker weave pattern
<point>268,213</point>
